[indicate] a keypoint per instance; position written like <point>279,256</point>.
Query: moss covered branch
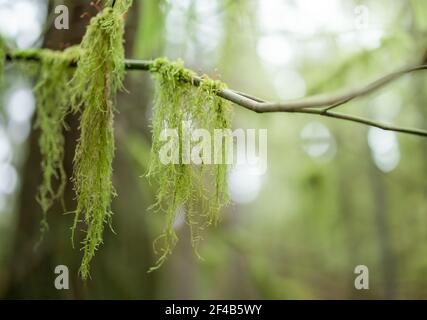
<point>311,105</point>
<point>89,89</point>
<point>85,79</point>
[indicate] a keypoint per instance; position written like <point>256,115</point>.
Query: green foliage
<point>183,186</point>
<point>98,77</point>
<point>52,95</point>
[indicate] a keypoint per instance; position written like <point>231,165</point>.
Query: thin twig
<point>315,105</point>
<point>335,101</point>
<point>372,123</point>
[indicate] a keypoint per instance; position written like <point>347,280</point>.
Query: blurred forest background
<point>336,194</point>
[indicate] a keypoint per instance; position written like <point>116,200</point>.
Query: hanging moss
<point>92,92</point>
<point>183,186</point>
<point>98,77</point>
<point>52,96</point>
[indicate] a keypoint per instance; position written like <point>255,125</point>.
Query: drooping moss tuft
<point>186,187</point>
<point>98,77</point>
<point>52,96</point>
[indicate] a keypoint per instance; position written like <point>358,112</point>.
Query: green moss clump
<point>98,77</point>
<point>52,96</point>
<point>183,186</point>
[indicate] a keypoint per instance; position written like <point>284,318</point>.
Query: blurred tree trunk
<point>349,216</point>
<point>381,220</point>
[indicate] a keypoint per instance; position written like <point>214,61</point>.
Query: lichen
<point>186,186</point>
<point>98,77</point>
<point>52,95</point>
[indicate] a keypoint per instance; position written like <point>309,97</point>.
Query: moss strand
<point>99,75</point>
<point>182,186</point>
<point>52,95</point>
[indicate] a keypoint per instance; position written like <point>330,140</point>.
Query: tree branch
<point>335,101</point>
<point>314,105</point>
<point>372,123</point>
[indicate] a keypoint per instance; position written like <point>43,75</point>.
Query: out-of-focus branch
<point>331,102</point>
<point>320,106</point>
